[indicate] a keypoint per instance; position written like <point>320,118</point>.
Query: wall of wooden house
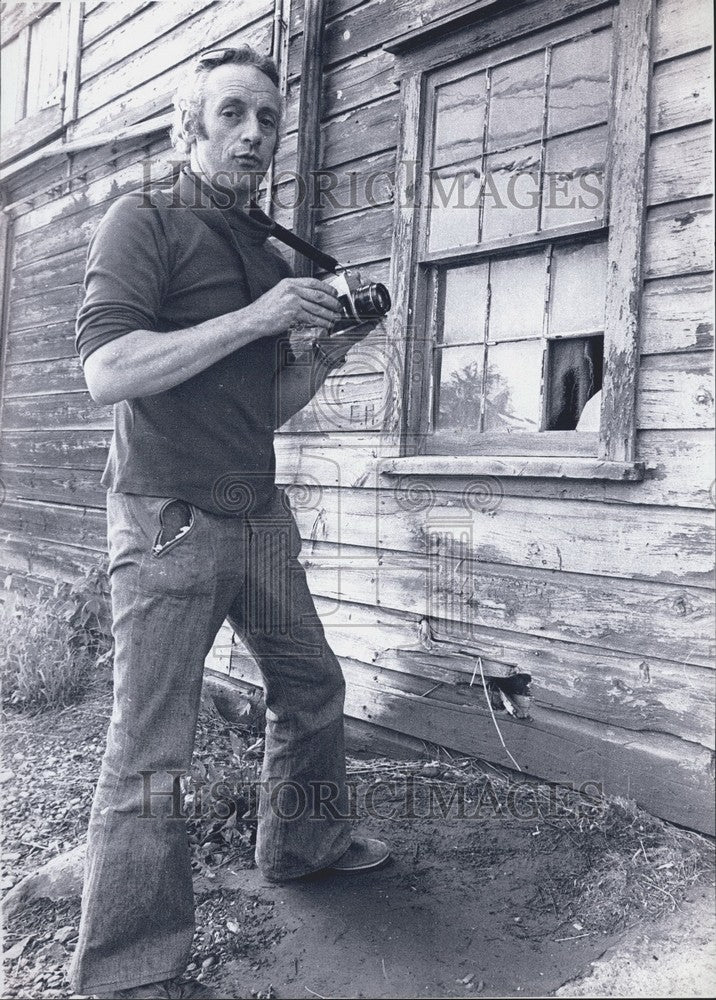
<point>601,591</point>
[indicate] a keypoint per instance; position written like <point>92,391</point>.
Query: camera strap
<point>305,248</point>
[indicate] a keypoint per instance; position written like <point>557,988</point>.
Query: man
<point>184,327</point>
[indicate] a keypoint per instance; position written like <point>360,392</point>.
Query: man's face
<point>240,118</point>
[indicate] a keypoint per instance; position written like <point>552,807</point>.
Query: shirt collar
<point>253,226</point>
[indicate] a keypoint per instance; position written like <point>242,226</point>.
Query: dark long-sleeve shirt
<point>166,264</point>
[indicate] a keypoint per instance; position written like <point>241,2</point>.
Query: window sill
<point>526,467</point>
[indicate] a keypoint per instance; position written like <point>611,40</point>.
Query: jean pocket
<point>176,519</point>
<point>179,559</point>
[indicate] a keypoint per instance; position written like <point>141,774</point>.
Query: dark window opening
<point>574,376</point>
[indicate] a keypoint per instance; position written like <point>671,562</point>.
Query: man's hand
<point>296,302</point>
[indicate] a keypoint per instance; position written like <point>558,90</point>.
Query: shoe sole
<point>362,868</point>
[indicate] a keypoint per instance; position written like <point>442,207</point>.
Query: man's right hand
<point>296,302</point>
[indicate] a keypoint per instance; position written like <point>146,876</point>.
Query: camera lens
<point>372,300</point>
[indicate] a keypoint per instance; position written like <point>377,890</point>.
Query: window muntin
<point>516,148</point>
<point>513,142</point>
<point>497,367</point>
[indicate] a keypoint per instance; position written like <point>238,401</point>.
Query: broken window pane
<point>516,102</point>
<point>459,120</point>
<point>579,83</point>
<point>574,375</point>
<point>579,281</point>
<point>511,193</point>
<point>459,379</point>
<point>573,186</point>
<point>454,207</point>
<point>512,386</point>
<point>517,297</point>
<point>465,304</point>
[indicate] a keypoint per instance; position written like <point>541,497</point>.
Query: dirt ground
<point>485,894</point>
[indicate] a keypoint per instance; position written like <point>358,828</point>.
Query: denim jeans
<point>171,591</point>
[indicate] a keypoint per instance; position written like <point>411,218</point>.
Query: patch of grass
<point>51,643</point>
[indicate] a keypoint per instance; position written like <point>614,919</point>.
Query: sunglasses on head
<point>215,57</point>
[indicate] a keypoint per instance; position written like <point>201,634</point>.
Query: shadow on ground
<point>498,893</point>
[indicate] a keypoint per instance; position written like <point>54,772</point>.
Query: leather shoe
<point>364,854</point>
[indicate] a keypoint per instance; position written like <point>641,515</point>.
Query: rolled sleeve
<point>126,276</point>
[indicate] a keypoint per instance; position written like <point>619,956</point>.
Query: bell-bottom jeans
<point>177,572</point>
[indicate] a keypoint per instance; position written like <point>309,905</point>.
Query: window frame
<point>49,121</point>
<point>611,452</point>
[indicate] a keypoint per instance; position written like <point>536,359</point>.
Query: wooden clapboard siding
<point>676,315</point>
<point>144,56</point>
<point>124,40</point>
<point>643,694</point>
<point>679,238</point>
<point>601,590</point>
<point>51,306</point>
<point>681,28</point>
<point>101,19</point>
<point>115,179</point>
<point>44,562</point>
<point>68,411</point>
<point>42,343</point>
<point>54,448</point>
<point>19,16</point>
<point>637,617</point>
<point>680,164</point>
<point>680,469</point>
<point>664,768</point>
<point>54,485</point>
<point>681,91</point>
<point>645,543</point>
<point>126,93</point>
<point>46,377</point>
<point>51,177</point>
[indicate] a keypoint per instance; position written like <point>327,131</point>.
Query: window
<point>528,130</point>
<point>37,55</point>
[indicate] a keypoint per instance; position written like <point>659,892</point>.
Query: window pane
<point>465,304</point>
<point>517,297</point>
<point>573,188</point>
<point>579,281</point>
<point>12,81</point>
<point>46,55</point>
<point>459,120</point>
<point>454,208</point>
<point>579,83</point>
<point>460,390</point>
<point>516,102</point>
<point>511,193</point>
<point>512,393</point>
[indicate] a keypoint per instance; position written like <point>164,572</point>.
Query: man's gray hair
<point>189,96</point>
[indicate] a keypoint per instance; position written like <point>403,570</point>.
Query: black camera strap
<point>323,260</point>
<point>305,248</point>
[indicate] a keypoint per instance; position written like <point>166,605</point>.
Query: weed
<point>52,642</point>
